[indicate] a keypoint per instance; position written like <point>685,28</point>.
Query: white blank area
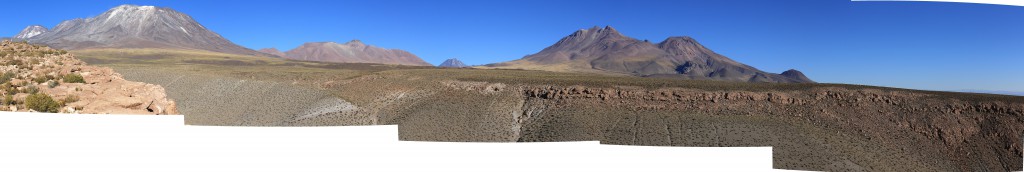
<point>132,143</point>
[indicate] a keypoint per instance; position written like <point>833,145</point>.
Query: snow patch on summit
<point>114,13</point>
<point>31,31</point>
<point>123,8</point>
<point>30,34</point>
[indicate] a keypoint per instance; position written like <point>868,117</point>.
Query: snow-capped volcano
<point>31,31</point>
<point>353,52</point>
<point>131,26</point>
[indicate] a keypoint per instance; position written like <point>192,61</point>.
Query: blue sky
<point>918,45</point>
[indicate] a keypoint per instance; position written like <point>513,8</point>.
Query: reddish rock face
<point>353,52</point>
<point>103,91</point>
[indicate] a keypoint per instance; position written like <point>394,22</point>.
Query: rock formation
<point>38,78</point>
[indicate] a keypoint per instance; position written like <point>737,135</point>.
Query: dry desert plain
<point>833,127</point>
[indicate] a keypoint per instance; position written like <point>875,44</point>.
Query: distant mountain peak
<point>588,39</point>
<point>273,51</point>
<point>133,6</point>
<point>609,28</point>
<point>597,31</point>
<point>796,75</point>
<point>130,7</point>
<point>355,42</point>
<point>354,51</point>
<point>31,31</point>
<point>453,63</point>
<point>679,39</point>
<point>134,26</point>
<point>678,45</point>
<point>319,43</point>
<point>605,50</point>
<point>133,13</point>
<point>793,73</point>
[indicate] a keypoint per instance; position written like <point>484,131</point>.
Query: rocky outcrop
<point>819,128</point>
<point>76,86</point>
<point>912,125</point>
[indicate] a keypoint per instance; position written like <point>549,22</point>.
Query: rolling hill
<point>606,51</point>
<point>353,52</point>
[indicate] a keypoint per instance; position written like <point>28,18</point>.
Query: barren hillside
<point>353,52</point>
<point>606,51</point>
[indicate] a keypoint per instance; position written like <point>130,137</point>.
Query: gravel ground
<point>817,127</point>
<point>225,101</point>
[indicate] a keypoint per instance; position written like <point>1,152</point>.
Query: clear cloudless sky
<point>918,45</point>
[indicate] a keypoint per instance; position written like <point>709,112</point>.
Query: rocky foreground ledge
<point>36,78</point>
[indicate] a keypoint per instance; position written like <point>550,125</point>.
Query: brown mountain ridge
<point>352,52</point>
<point>606,51</point>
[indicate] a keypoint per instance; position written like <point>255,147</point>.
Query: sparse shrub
<point>42,103</point>
<point>9,88</point>
<point>68,99</point>
<point>31,89</point>
<point>73,78</point>
<point>40,80</point>
<point>15,62</point>
<point>6,77</point>
<point>9,100</point>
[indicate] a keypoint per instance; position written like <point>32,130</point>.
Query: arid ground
<point>833,127</point>
<point>36,78</point>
